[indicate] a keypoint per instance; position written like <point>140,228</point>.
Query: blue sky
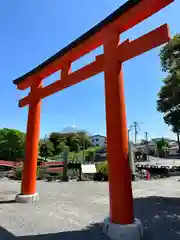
<point>32,31</point>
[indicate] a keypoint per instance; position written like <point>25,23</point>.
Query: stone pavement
<point>172,162</point>
<point>75,210</point>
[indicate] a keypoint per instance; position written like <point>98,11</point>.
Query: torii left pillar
<point>28,187</point>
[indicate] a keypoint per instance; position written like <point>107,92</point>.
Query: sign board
<point>88,168</point>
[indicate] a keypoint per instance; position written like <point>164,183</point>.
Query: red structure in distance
<point>106,33</point>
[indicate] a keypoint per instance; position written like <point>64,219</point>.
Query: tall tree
<point>58,142</point>
<point>173,119</point>
<point>161,147</point>
<point>75,143</point>
<point>85,140</point>
<point>170,55</point>
<point>46,148</point>
<point>168,101</point>
<point>12,144</point>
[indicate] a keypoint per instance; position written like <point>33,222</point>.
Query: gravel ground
<point>161,161</point>
<point>75,210</point>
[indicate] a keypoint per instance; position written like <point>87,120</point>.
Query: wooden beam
<point>126,50</point>
<point>145,43</point>
<point>66,70</point>
<point>72,79</point>
<point>127,20</point>
<point>130,49</point>
<point>139,13</point>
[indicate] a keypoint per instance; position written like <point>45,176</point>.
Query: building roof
<point>98,135</point>
<point>112,17</point>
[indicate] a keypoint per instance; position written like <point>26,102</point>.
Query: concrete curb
<point>30,198</point>
<point>123,232</point>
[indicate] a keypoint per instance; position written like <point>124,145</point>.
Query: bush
<point>102,167</point>
<point>38,176</point>
<point>102,172</point>
<point>53,176</point>
<point>18,173</point>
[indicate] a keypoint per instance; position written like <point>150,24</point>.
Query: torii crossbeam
<point>106,33</point>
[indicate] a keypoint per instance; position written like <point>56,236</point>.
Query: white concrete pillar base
<point>30,198</point>
<point>123,232</point>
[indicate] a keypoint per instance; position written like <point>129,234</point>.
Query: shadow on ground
<point>7,201</point>
<point>160,216</point>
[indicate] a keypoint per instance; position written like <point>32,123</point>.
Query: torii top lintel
<point>124,18</point>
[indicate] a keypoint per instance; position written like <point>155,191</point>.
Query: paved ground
<point>161,161</point>
<point>66,210</point>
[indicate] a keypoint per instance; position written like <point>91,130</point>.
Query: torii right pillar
<point>120,191</point>
<point>121,223</point>
<point>119,171</point>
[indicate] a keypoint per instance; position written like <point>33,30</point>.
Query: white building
<point>172,150</point>
<point>98,140</point>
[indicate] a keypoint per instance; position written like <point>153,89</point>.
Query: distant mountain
<point>69,129</point>
<point>73,129</point>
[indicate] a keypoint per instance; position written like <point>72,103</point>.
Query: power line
<point>146,137</point>
<point>136,127</point>
<point>129,130</point>
<point>147,147</point>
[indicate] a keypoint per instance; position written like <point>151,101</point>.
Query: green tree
<point>91,153</point>
<point>85,140</point>
<point>74,143</point>
<point>75,146</point>
<point>168,101</point>
<point>102,167</point>
<point>170,55</point>
<point>161,147</point>
<point>54,138</point>
<point>12,144</point>
<point>58,141</point>
<point>173,119</point>
<point>84,143</point>
<point>46,148</point>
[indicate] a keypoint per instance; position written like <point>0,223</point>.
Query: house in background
<point>173,148</point>
<point>173,151</point>
<point>99,140</point>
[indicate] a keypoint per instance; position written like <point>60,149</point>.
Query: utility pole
<point>65,177</point>
<point>83,149</point>
<point>129,130</point>
<point>136,130</point>
<point>131,155</point>
<point>146,137</point>
<point>146,142</point>
<point>10,151</point>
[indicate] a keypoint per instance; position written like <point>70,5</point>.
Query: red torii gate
<point>105,33</point>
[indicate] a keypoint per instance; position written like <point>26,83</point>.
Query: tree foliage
<point>102,167</point>
<point>161,147</point>
<point>56,143</point>
<point>168,101</point>
<point>45,148</point>
<point>12,144</point>
<point>91,152</point>
<point>170,55</point>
